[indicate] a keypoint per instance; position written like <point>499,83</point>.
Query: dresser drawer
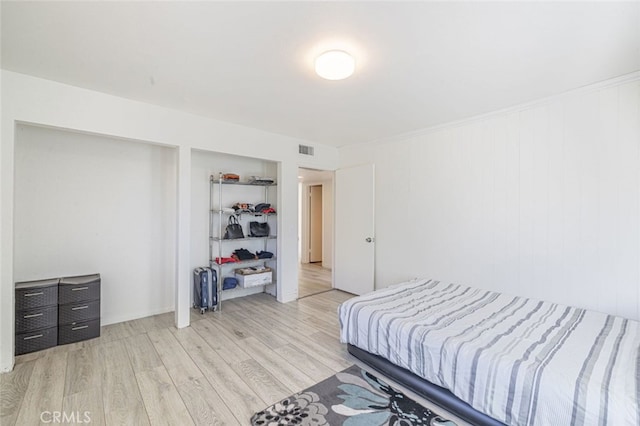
<point>36,340</point>
<point>71,333</point>
<point>36,319</point>
<point>78,289</point>
<point>78,312</point>
<point>33,294</point>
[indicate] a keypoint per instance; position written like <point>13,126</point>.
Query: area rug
<point>352,397</point>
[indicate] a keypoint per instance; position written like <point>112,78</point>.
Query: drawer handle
<point>33,337</point>
<point>80,288</point>
<point>79,327</point>
<point>77,308</point>
<point>40,293</point>
<point>33,315</point>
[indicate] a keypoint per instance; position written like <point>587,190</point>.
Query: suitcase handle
<point>34,294</point>
<point>77,308</point>
<point>80,288</point>
<point>33,337</point>
<point>79,328</point>
<point>33,315</point>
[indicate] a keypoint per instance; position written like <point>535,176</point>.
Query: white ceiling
<point>418,64</point>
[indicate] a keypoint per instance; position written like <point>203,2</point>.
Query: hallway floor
<point>313,279</point>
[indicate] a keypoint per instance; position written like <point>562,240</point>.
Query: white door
<point>354,226</point>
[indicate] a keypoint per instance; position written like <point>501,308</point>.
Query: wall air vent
<point>305,149</point>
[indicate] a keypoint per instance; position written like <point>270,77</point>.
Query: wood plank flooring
<point>313,278</point>
<point>219,371</point>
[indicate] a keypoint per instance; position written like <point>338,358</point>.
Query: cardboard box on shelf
<point>252,277</point>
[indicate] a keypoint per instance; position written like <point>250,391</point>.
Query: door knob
<point>369,239</point>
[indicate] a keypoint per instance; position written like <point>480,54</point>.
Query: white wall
<point>87,204</point>
<point>28,99</point>
<point>540,201</point>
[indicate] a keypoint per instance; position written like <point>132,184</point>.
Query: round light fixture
<point>335,65</point>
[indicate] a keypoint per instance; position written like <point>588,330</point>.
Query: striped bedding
<point>518,360</point>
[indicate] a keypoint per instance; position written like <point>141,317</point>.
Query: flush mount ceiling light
<point>335,65</point>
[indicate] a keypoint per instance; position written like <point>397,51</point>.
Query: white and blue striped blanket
<point>518,360</point>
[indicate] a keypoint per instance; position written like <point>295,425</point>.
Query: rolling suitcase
<point>214,288</point>
<point>200,289</point>
<point>205,289</point>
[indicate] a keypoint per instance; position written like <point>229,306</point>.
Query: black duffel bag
<point>259,229</point>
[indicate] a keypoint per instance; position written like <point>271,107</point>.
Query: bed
<point>493,358</point>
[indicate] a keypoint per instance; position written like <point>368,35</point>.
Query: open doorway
<point>315,231</point>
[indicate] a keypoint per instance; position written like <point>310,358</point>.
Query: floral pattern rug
<point>352,397</point>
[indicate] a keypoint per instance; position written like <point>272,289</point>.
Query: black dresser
<point>56,312</point>
<point>36,315</point>
<point>78,308</point>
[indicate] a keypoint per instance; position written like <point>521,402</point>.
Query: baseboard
<point>114,320</point>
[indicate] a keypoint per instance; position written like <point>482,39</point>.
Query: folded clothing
<point>243,254</point>
<point>221,260</point>
<point>261,206</point>
<point>232,177</point>
<point>261,179</point>
<point>264,254</point>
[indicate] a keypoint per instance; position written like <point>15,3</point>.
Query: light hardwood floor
<point>313,278</point>
<point>219,371</point>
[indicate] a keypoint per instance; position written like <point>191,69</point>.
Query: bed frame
<point>425,389</point>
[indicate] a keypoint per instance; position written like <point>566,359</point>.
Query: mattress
<point>520,361</point>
